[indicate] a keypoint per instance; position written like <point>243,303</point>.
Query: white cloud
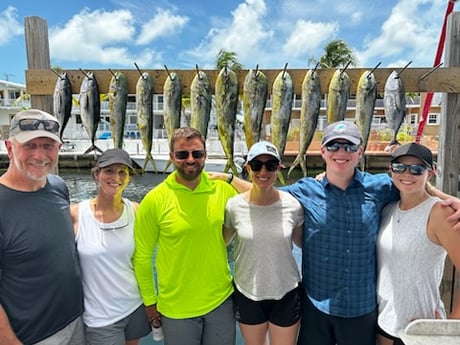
<point>9,25</point>
<point>244,35</point>
<point>164,23</point>
<point>405,34</point>
<point>307,36</point>
<point>93,36</point>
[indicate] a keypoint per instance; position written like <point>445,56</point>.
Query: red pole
<point>437,61</point>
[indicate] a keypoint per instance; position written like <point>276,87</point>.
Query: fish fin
<point>281,178</point>
<point>167,165</point>
<point>92,148</point>
<point>299,160</point>
<point>149,157</point>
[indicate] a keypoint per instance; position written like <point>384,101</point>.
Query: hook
<point>84,73</point>
<point>430,71</point>
<point>407,65</point>
<point>138,69</point>
<point>114,75</point>
<point>169,74</point>
<point>373,70</point>
<point>284,69</point>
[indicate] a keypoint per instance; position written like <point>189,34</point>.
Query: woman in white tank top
<point>412,244</point>
<point>104,229</point>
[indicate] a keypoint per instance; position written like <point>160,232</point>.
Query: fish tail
<point>93,147</point>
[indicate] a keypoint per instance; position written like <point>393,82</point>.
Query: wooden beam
<point>42,81</point>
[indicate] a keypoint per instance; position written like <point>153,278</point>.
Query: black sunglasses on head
<point>414,169</point>
<point>334,147</point>
<point>271,165</point>
<point>197,154</point>
<point>33,124</point>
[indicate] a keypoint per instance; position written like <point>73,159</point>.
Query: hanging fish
<point>282,97</point>
<point>309,114</point>
<point>172,98</point>
<point>255,91</point>
<point>118,101</point>
<point>366,95</point>
<point>62,101</point>
<point>226,107</point>
<point>200,102</point>
<point>144,107</point>
<point>394,104</point>
<point>337,98</point>
<point>90,108</point>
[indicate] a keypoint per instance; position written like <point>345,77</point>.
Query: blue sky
<point>182,33</point>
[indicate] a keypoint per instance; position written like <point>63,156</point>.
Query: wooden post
<point>449,148</point>
<point>38,56</point>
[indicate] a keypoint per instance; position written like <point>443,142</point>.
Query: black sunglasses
<point>270,165</point>
<point>334,147</point>
<point>414,169</point>
<point>197,154</point>
<point>33,124</point>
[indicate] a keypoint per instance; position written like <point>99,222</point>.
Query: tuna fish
<point>309,114</point>
<point>144,106</point>
<point>172,98</point>
<point>226,107</point>
<point>62,101</point>
<point>394,104</point>
<point>90,108</point>
<point>200,102</point>
<point>282,97</point>
<point>337,98</point>
<point>118,101</point>
<point>255,90</point>
<point>366,95</point>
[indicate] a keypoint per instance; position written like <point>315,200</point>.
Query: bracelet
<point>230,178</point>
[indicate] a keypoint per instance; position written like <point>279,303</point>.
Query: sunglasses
<point>197,154</point>
<point>270,165</point>
<point>33,124</point>
<point>414,169</point>
<point>334,147</point>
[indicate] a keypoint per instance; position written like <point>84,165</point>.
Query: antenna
<point>8,75</point>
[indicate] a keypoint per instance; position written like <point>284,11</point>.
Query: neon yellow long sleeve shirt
<point>191,261</point>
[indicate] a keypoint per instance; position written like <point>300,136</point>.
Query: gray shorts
<point>215,327</point>
<point>134,326</point>
<point>72,334</point>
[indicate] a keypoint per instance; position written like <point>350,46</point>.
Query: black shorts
<point>396,341</point>
<point>284,312</point>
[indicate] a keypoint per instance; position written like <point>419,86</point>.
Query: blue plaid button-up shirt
<point>339,241</point>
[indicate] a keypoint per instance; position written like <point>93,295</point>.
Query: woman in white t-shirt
<point>263,222</point>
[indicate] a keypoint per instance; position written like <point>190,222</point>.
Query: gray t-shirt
<point>264,265</point>
<point>40,287</point>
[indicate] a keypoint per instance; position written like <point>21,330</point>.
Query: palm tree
<point>337,54</point>
<point>226,58</point>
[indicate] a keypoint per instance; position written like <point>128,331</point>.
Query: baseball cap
<point>114,156</point>
<point>342,130</point>
<point>263,148</point>
<point>415,150</point>
<point>33,123</point>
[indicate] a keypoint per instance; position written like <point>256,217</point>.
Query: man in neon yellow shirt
<point>184,215</point>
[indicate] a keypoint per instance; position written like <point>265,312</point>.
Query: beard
<point>189,171</point>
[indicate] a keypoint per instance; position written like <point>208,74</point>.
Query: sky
<point>183,33</point>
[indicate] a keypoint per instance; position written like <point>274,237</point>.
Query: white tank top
<point>105,251</point>
<point>410,268</point>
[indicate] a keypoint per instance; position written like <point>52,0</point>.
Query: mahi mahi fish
<point>255,91</point>
<point>172,98</point>
<point>226,107</point>
<point>118,101</point>
<point>90,108</point>
<point>144,108</point>
<point>62,101</point>
<point>366,95</point>
<point>309,114</point>
<point>337,98</point>
<point>282,97</point>
<point>200,103</point>
<point>394,104</point>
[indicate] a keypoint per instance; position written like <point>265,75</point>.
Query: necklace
<point>116,215</point>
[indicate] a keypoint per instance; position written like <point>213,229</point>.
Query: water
<point>82,186</point>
